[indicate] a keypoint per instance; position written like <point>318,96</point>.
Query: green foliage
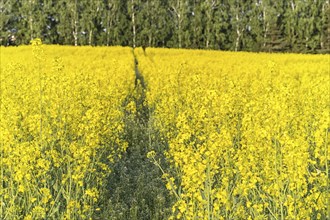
<point>137,190</point>
<point>249,25</point>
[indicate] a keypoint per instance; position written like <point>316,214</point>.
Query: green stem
<point>327,173</point>
<point>208,188</point>
<point>167,179</point>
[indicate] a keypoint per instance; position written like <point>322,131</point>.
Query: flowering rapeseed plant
<point>248,134</point>
<point>61,128</point>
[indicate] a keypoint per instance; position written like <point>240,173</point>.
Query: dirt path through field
<point>137,190</point>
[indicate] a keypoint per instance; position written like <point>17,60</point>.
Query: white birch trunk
<point>75,25</point>
<point>90,38</point>
<point>265,25</point>
<point>238,33</point>
<point>133,24</point>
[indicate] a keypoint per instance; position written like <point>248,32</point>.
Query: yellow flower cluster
<point>61,127</point>
<point>248,134</point>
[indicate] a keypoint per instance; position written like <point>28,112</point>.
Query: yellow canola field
<point>61,128</point>
<point>247,133</point>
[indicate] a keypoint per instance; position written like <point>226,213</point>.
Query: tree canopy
<point>248,25</point>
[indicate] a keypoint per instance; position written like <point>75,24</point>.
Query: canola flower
<point>248,134</point>
<point>61,128</point>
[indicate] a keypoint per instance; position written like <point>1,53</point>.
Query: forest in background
<point>241,25</point>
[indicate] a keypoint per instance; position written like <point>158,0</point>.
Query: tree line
<point>249,25</point>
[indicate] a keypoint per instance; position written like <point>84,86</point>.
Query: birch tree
<point>178,10</point>
<point>238,20</point>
